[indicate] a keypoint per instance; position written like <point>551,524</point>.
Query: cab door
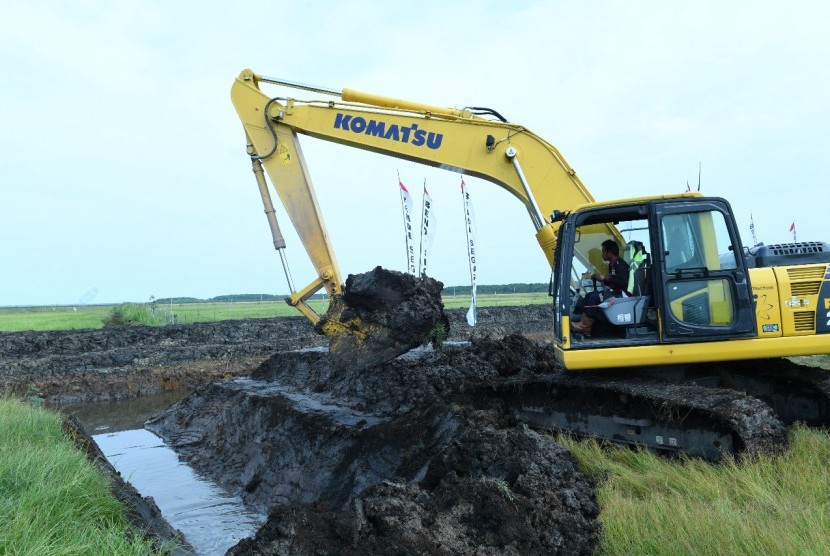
<point>704,283</point>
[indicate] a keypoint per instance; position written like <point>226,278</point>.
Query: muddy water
<point>114,416</point>
<point>210,518</point>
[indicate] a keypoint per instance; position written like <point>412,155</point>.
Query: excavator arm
<point>506,154</point>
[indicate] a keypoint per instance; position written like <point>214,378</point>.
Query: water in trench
<point>211,519</point>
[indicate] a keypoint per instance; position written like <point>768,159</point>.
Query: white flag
<point>406,203</point>
<point>470,227</point>
<point>427,230</point>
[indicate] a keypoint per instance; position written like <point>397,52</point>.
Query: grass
<point>93,316</point>
<point>821,361</point>
<point>769,505</point>
<point>52,499</point>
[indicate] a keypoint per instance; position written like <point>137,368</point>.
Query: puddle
<point>114,416</point>
<point>211,519</point>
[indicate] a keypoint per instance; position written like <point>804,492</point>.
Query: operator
<point>616,282</point>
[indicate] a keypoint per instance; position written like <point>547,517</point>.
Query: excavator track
<point>797,393</point>
<point>704,422</point>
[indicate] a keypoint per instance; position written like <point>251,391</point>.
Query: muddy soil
<point>382,314</point>
<point>415,456</point>
<point>78,366</point>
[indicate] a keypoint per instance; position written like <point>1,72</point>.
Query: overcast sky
<point>124,173</point>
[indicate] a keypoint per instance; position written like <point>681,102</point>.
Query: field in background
<point>93,316</point>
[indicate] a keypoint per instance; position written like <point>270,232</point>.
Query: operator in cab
<point>615,281</point>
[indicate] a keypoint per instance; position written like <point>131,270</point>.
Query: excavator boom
<point>509,155</point>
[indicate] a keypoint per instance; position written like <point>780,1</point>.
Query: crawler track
<point>796,392</point>
<point>699,421</point>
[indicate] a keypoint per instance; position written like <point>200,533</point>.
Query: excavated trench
<point>411,457</point>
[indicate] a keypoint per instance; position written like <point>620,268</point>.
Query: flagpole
<point>466,224</point>
<point>406,209</point>
<point>403,217</point>
<point>468,228</point>
<point>421,243</point>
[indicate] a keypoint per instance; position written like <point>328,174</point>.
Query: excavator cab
<point>687,281</point>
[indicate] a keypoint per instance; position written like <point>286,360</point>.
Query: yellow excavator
<point>699,305</point>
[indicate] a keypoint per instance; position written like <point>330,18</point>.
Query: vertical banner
<point>427,230</point>
<point>792,229</point>
<point>470,227</point>
<point>752,229</point>
<point>406,204</point>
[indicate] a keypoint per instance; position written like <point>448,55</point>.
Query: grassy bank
<point>771,505</point>
<point>93,316</point>
<point>52,500</point>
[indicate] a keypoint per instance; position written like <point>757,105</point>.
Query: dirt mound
<point>493,491</point>
<point>382,314</point>
<point>411,456</point>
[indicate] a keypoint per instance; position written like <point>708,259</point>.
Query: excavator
<point>690,361</point>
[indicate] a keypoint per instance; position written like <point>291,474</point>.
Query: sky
<point>123,173</point>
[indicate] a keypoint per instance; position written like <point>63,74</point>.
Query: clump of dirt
<point>382,314</point>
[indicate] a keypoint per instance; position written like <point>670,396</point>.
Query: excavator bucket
<point>382,314</point>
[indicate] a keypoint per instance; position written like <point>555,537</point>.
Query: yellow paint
<point>798,296</point>
<point>702,352</point>
<point>767,306</point>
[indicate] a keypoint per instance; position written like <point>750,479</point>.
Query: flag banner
<point>792,229</point>
<point>427,230</point>
<point>406,204</point>
<point>752,229</point>
<point>470,227</point>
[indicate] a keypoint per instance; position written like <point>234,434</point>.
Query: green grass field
<point>93,316</point>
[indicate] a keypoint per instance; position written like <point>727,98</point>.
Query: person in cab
<point>615,282</point>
